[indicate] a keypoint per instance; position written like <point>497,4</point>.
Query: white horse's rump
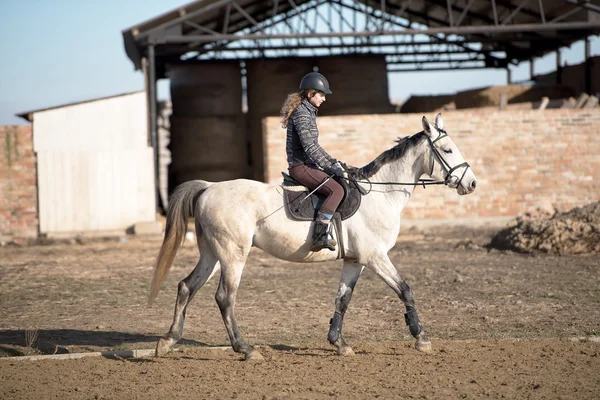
<point>232,216</point>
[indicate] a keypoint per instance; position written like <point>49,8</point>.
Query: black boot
<point>320,237</point>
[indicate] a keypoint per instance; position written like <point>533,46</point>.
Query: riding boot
<point>320,237</point>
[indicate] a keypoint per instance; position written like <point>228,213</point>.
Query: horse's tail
<point>181,208</point>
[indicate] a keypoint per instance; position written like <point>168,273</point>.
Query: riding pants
<point>311,177</point>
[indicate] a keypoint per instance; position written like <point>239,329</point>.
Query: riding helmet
<point>314,80</point>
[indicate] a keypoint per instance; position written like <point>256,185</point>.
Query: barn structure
<point>224,55</point>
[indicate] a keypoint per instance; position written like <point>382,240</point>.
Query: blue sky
<point>57,52</point>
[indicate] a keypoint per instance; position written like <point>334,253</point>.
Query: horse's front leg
<point>350,274</point>
<point>384,268</point>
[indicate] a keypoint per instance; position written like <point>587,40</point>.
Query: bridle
<point>449,170</point>
<point>436,155</point>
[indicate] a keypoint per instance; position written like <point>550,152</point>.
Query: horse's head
<point>446,162</point>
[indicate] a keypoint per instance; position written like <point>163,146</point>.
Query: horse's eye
<point>448,151</point>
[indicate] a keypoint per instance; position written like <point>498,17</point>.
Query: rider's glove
<point>337,169</point>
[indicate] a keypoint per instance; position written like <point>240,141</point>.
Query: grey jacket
<point>302,142</point>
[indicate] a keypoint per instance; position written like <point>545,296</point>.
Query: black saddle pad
<point>306,210</point>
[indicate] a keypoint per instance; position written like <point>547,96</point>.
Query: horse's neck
<point>407,170</point>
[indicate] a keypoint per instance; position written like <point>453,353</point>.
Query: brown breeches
<point>311,177</point>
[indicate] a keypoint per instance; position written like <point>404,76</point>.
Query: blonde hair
<point>292,102</point>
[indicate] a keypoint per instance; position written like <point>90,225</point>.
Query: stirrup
<point>321,240</point>
<point>329,244</point>
<point>324,242</point>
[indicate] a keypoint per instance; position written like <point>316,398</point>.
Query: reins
<point>422,182</point>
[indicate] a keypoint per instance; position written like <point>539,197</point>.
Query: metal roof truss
<point>411,34</point>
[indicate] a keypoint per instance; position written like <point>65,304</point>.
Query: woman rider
<point>308,163</point>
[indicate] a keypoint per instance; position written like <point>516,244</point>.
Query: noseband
<point>444,163</point>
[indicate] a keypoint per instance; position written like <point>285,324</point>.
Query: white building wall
<point>95,167</point>
<point>116,123</point>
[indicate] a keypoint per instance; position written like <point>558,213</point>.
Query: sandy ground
<point>503,325</point>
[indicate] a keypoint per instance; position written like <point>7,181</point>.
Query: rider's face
<point>317,99</point>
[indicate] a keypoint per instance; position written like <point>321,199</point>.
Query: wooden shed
<point>95,165</point>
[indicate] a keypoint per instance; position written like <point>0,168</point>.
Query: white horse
<point>232,216</point>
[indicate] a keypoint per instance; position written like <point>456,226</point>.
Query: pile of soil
<point>545,230</point>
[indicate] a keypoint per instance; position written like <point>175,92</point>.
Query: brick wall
<point>522,158</point>
<point>18,188</point>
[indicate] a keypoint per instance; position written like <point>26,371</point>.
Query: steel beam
<point>565,15</point>
<point>588,67</point>
<point>430,44</point>
<point>460,31</point>
<point>187,16</point>
<point>450,16</point>
<point>434,61</point>
<point>495,12</point>
<point>150,75</point>
<point>470,67</point>
<point>584,4</point>
<point>514,12</point>
<point>558,67</point>
<point>226,20</point>
<point>531,69</point>
<point>542,16</point>
<point>370,48</point>
<point>464,12</point>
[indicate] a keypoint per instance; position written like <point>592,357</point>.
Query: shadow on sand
<point>61,341</point>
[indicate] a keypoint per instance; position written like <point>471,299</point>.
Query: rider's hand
<point>337,169</point>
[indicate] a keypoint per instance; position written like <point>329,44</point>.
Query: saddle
<point>299,209</point>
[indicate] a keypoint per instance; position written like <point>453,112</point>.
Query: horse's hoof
<point>345,351</point>
<point>423,345</point>
<point>163,346</point>
<point>254,355</point>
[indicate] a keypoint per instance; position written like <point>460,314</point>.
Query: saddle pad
<point>306,210</point>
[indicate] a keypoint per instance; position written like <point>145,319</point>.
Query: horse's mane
<point>398,151</point>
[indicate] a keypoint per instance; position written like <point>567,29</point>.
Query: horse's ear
<point>439,122</point>
<point>426,126</point>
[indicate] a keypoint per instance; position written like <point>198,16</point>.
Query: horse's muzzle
<point>462,190</point>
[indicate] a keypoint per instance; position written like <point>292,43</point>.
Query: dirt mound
<point>544,230</point>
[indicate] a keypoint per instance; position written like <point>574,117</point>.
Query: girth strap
<point>337,225</point>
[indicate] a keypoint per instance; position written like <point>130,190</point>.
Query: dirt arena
<point>502,324</point>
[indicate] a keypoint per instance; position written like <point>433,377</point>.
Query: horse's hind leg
<point>187,288</point>
<point>350,274</point>
<point>384,268</point>
<point>231,274</point>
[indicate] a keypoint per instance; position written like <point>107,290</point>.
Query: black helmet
<point>314,80</point>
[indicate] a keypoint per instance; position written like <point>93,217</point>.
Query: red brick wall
<point>522,158</point>
<point>18,188</point>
